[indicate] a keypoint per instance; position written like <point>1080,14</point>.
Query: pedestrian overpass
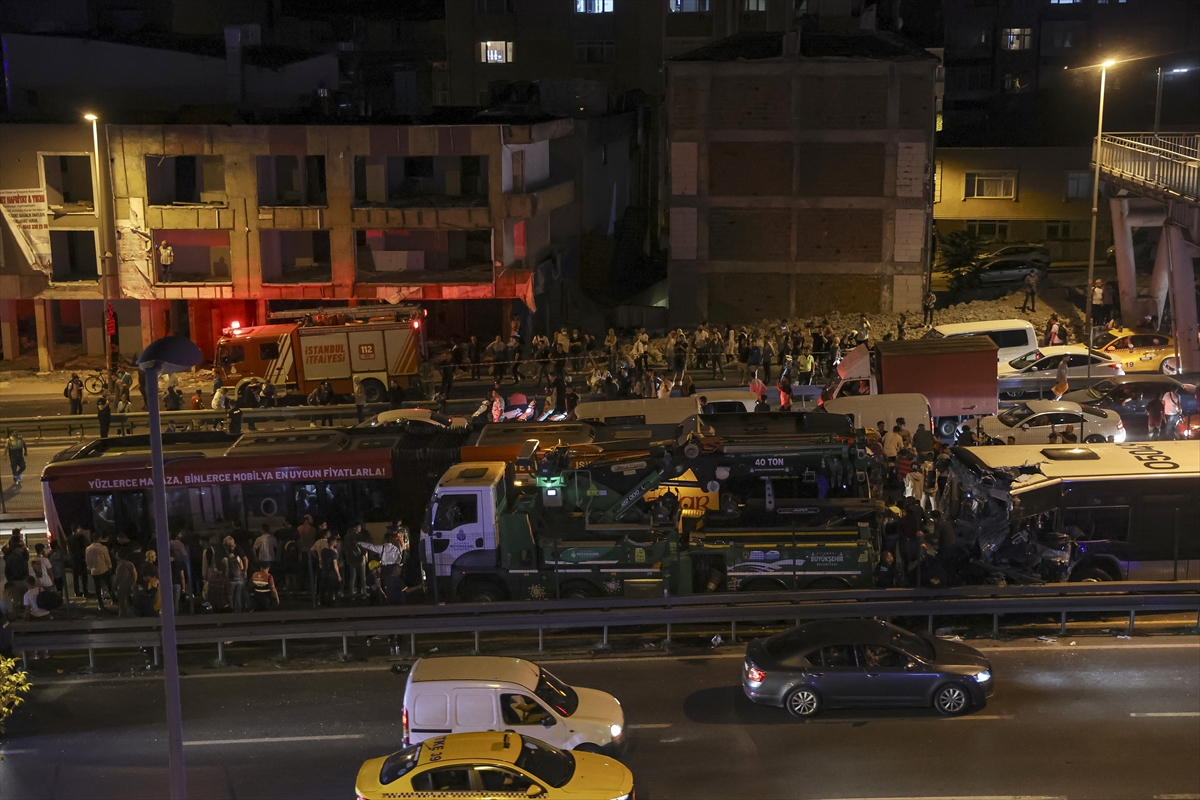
<point>1153,180</point>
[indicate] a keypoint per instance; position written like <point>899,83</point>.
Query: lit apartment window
<point>937,181</point>
<point>754,5</point>
<point>496,52</point>
<point>593,6</point>
<point>988,228</point>
<point>1079,185</point>
<point>198,256</point>
<point>688,6</point>
<point>1016,38</point>
<point>595,52</point>
<point>1058,229</point>
<point>991,185</point>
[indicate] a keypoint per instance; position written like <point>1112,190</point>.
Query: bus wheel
<point>1090,575</point>
<point>579,591</point>
<point>828,584</point>
<point>482,592</point>
<point>375,390</point>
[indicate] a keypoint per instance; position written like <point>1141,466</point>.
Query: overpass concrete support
<point>1126,266</point>
<point>1183,288</point>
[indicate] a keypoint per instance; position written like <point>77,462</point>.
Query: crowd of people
<point>238,572</point>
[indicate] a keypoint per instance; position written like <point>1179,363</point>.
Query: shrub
<point>960,259</point>
<point>13,684</point>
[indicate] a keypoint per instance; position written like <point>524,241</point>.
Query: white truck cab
<point>466,694</point>
<point>462,513</point>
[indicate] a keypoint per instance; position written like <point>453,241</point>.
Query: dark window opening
<point>185,180</point>
<point>295,257</point>
<point>73,255</point>
<point>192,256</point>
<point>385,255</point>
<point>420,180</point>
<point>69,184</point>
<point>291,181</point>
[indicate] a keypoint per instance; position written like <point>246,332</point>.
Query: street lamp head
<point>90,117</point>
<point>1178,70</point>
<point>1107,64</point>
<point>170,354</point>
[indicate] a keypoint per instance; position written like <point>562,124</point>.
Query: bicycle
<point>97,383</point>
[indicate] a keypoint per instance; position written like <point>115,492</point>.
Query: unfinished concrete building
<point>800,175</point>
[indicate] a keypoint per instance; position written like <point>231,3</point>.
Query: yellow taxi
<point>1137,351</point>
<point>484,766</point>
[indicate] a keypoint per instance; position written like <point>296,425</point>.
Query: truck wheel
<point>482,592</point>
<point>375,390</point>
<point>579,591</point>
<point>1090,575</point>
<point>946,427</point>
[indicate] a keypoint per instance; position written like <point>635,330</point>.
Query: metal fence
<point>605,614</point>
<point>1165,164</point>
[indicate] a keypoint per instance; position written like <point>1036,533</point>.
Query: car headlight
<point>982,677</point>
<point>615,730</point>
<point>625,796</point>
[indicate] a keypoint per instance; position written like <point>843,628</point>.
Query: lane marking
<point>17,752</point>
<point>1167,714</point>
<point>963,797</point>
<point>648,726</point>
<point>857,720</point>
<point>274,739</point>
<point>1177,797</point>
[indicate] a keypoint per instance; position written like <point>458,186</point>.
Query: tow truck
<point>794,511</point>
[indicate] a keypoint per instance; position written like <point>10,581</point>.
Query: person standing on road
<point>17,450</point>
<point>124,580</point>
<point>235,570</point>
<point>360,395</point>
<point>928,303</point>
<point>99,566</point>
<point>74,394</point>
<point>1061,386</point>
<point>77,545</point>
<point>472,357</point>
<point>331,573</point>
<point>610,346</point>
<point>1098,315</point>
<point>892,442</point>
<point>1053,333</point>
<point>355,566</point>
<point>103,415</point>
<point>1030,302</point>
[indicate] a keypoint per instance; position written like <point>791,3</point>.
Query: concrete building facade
<point>1020,194</point>
<point>455,211</point>
<point>800,175</point>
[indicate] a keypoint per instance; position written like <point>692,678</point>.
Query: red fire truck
<point>303,348</point>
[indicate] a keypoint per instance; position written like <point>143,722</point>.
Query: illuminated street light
<point>96,203</point>
<point>1091,278</point>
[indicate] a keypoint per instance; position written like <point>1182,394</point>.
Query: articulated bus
<point>1133,509</point>
<point>218,485</point>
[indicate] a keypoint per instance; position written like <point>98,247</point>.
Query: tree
<point>960,259</point>
<point>13,684</point>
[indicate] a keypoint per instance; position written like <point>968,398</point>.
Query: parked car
<point>1032,421</point>
<point>1188,427</point>
<point>863,662</point>
<point>1009,270</point>
<point>1013,337</point>
<point>1138,351</point>
<point>1129,396</point>
<point>460,694</point>
<point>1026,251</point>
<point>1036,372</point>
<point>491,765</point>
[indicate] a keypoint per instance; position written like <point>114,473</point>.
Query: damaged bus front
<point>1098,512</point>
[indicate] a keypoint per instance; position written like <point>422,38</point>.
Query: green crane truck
<point>590,532</point>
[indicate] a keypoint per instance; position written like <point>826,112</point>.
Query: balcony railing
<point>1168,166</point>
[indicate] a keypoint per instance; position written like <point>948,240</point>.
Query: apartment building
<point>212,223</point>
<point>800,175</point>
<point>1020,194</point>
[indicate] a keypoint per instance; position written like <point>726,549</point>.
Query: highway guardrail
<point>602,614</point>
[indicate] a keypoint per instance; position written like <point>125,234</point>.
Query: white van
<point>869,409</point>
<point>1014,337</point>
<point>465,694</point>
<point>667,411</point>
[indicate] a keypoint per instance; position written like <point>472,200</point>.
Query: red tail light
<point>755,674</point>
<point>404,724</point>
<point>1120,425</point>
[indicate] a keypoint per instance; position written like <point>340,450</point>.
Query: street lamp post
<point>1091,278</point>
<point>92,118</point>
<point>166,355</point>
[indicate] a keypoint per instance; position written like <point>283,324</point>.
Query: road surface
<point>1103,719</point>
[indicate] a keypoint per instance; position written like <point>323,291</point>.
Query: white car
<point>1037,371</point>
<point>1032,421</point>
